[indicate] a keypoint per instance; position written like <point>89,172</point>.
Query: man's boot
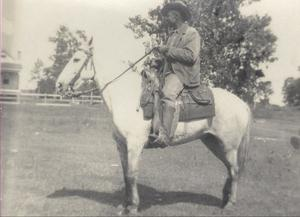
<point>164,139</point>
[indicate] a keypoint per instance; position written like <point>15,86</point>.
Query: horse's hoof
<point>229,205</point>
<point>129,211</point>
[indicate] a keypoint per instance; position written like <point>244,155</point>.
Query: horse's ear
<point>90,41</point>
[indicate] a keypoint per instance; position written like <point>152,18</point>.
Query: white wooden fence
<point>17,97</point>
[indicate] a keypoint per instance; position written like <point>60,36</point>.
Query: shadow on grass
<point>148,195</point>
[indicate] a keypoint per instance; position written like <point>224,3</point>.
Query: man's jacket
<point>182,57</point>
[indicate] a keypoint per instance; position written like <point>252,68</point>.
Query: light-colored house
<point>9,72</point>
<point>10,57</point>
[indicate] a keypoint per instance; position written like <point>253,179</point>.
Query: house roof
<point>8,63</point>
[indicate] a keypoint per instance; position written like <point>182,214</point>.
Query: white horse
<point>226,134</point>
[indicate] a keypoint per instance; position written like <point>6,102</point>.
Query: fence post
<point>91,100</point>
<point>18,97</point>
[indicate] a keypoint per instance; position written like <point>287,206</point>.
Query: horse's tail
<point>244,145</point>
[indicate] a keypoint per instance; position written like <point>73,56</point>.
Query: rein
<point>76,94</point>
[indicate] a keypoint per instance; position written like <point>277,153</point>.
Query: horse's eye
<point>76,60</point>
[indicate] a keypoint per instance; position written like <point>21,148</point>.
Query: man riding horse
<point>181,67</point>
<point>225,131</point>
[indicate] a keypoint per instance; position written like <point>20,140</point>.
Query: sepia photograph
<point>150,108</point>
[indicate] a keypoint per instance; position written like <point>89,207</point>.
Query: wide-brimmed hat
<point>177,6</point>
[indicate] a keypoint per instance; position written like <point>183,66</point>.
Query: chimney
<point>19,56</point>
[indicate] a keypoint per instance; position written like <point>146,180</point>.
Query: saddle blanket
<point>196,103</point>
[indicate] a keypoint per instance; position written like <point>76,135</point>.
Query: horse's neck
<point>122,93</point>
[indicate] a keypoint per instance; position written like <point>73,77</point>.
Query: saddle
<point>193,103</point>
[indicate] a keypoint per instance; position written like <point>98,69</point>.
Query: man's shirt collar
<point>182,29</point>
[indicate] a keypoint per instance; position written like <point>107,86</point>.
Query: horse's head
<point>77,72</point>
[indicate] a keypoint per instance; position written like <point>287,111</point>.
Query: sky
<point>36,20</point>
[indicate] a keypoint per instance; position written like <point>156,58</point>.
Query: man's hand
<point>162,49</point>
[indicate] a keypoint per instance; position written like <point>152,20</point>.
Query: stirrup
<point>153,136</point>
<point>162,140</point>
<point>154,141</point>
<point>160,143</point>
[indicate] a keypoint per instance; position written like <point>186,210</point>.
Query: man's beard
<point>171,24</point>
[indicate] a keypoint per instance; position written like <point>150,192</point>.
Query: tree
<point>66,43</point>
<point>38,75</point>
<point>233,46</point>
<point>36,72</point>
<point>291,91</point>
<point>264,90</point>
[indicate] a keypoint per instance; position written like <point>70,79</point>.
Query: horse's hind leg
<point>229,159</point>
<point>230,187</point>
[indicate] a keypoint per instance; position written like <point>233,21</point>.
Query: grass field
<point>62,161</point>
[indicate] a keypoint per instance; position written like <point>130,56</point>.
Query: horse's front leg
<point>130,154</point>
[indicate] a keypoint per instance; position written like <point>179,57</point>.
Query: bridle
<point>90,58</point>
<point>84,65</point>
